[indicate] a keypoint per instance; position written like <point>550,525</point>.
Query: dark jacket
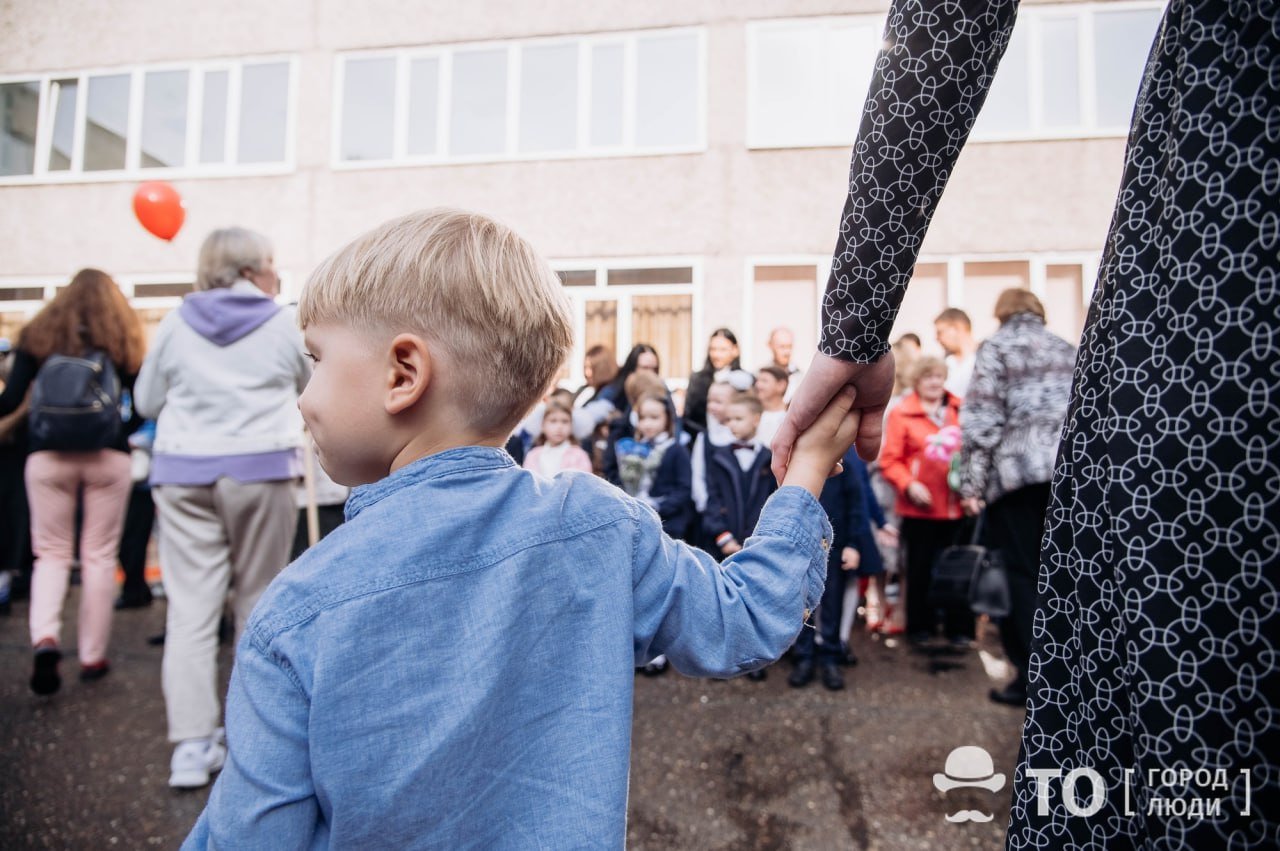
<point>670,494</point>
<point>734,496</point>
<point>847,498</point>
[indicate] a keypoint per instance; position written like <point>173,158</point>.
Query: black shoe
<point>44,675</point>
<point>1014,694</point>
<point>93,673</point>
<point>846,655</point>
<point>802,674</point>
<point>134,599</point>
<point>919,639</point>
<point>757,676</point>
<point>831,676</point>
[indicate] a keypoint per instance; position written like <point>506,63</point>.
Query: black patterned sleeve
<point>930,80</point>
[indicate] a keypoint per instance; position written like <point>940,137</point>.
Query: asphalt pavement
<point>715,764</point>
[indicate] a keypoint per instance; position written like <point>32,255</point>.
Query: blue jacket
<point>453,667</point>
<point>735,497</point>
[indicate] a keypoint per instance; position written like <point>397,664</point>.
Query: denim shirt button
<point>826,545</point>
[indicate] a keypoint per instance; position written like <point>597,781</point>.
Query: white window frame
<point>1085,15</point>
<point>753,31</point>
<point>511,153</point>
<point>623,294</point>
<point>127,283</point>
<point>133,143</point>
<point>1029,18</point>
<point>1038,262</point>
<point>748,344</point>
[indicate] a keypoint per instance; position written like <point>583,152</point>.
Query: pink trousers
<point>53,481</point>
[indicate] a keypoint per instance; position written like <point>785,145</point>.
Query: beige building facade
<point>683,163</point>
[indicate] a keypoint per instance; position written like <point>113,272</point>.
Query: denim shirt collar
<point>461,459</point>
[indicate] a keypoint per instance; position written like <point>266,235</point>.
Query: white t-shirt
<point>959,371</point>
<point>770,422</point>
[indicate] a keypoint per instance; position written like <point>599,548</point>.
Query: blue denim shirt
<point>453,668</point>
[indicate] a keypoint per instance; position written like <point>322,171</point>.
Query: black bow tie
<point>737,446</point>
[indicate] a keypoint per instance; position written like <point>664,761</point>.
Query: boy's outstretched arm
<point>724,619</point>
<point>264,797</point>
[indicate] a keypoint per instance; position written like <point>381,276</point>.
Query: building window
<point>180,121</point>
<point>788,292</point>
<point>974,283</point>
<point>797,70</point>
<point>620,94</point>
<point>784,295</point>
<point>619,304</point>
<point>1070,71</point>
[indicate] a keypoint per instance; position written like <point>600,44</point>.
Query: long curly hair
<point>89,313</point>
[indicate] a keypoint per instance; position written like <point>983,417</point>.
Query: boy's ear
<point>409,372</point>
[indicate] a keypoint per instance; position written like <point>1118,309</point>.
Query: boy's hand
<point>873,384</point>
<point>731,548</point>
<point>850,558</point>
<point>820,447</point>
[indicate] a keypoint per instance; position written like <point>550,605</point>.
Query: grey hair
<point>228,250</point>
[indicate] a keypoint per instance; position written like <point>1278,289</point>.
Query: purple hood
<point>223,316</point>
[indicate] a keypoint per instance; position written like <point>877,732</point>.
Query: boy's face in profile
<point>743,421</point>
<point>343,405</point>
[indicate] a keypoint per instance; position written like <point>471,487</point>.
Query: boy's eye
<point>312,357</point>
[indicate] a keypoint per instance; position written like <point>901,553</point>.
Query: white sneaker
<point>195,760</point>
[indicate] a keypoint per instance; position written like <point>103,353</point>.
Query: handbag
<point>973,576</point>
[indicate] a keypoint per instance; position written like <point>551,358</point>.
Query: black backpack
<point>75,403</point>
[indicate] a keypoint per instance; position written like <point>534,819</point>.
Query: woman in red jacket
<point>921,433</point>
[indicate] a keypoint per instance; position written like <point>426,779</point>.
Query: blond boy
<point>453,666</point>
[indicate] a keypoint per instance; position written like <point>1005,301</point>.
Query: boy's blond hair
<point>469,285</point>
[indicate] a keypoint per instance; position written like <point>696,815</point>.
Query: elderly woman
<point>1011,420</point>
<point>915,459</point>
<point>222,381</point>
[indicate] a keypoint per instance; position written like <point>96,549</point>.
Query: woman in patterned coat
<point>1010,425</point>
<point>1153,659</point>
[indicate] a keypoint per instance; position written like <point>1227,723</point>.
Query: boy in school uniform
<point>453,666</point>
<point>739,482</point>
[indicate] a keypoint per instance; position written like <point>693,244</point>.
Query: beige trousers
<point>214,538</point>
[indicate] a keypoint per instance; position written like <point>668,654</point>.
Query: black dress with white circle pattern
<point>1154,660</point>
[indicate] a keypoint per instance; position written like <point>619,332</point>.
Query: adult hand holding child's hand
<point>820,447</point>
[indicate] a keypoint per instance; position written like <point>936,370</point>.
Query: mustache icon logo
<point>969,767</point>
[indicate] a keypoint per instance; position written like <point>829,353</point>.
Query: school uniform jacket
<point>735,496</point>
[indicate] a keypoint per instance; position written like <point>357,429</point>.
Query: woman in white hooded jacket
<point>222,381</point>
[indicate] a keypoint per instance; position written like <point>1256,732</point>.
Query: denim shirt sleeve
<point>718,620</point>
<point>264,798</point>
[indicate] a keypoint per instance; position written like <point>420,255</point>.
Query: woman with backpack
<point>77,357</point>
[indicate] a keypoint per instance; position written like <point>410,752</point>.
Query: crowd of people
<point>976,427</point>
<point>206,437</point>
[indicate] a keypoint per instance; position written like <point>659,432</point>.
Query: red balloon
<point>159,208</point>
